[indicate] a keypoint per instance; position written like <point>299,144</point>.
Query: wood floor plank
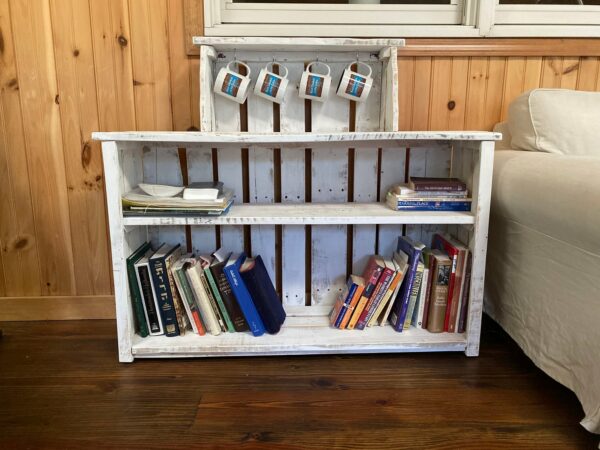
<point>62,387</point>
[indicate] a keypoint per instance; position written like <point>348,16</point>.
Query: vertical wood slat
<point>458,93</point>
<point>493,94</point>
<point>19,258</point>
<point>293,237</point>
<point>329,184</point>
<point>34,55</point>
<point>476,96</point>
<point>84,176</point>
<point>513,81</point>
<point>588,74</point>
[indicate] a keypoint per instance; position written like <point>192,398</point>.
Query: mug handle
<point>271,64</point>
<point>239,63</point>
<point>323,64</point>
<point>360,63</point>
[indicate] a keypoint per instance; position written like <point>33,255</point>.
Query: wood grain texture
<point>499,400</point>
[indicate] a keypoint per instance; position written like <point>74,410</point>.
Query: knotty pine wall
<point>70,67</point>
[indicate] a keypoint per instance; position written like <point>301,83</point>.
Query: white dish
<point>160,190</point>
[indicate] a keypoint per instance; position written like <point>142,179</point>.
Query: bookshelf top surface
<point>270,139</point>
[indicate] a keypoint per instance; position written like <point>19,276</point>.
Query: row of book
<point>423,287</point>
<point>223,292</point>
<point>429,194</point>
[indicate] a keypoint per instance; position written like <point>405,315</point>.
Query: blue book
<point>432,205</point>
<point>232,272</point>
<point>413,249</point>
<point>350,289</point>
<point>261,289</point>
<point>159,264</point>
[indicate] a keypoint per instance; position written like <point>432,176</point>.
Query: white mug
<point>354,85</point>
<point>315,86</point>
<point>271,86</point>
<point>233,85</point>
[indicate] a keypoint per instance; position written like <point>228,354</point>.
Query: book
<point>263,294</point>
<point>464,309</point>
<point>402,191</point>
<point>436,184</point>
<point>141,323</point>
<point>414,295</point>
<point>376,298</point>
<point>146,285</point>
<point>413,249</point>
<point>219,309</point>
<point>352,290</point>
<point>400,260</point>
<point>371,275</point>
<point>241,293</point>
<point>217,296</point>
<point>396,279</point>
<point>186,294</point>
<point>183,319</point>
<point>430,260</point>
<point>417,317</point>
<point>229,300</point>
<point>433,204</point>
<point>360,282</point>
<point>159,267</point>
<point>194,272</point>
<point>458,253</point>
<point>440,279</point>
<point>203,190</point>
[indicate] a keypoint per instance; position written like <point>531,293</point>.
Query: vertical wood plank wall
<point>70,67</point>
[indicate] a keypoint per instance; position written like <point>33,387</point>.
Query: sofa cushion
<point>504,143</point>
<point>556,121</point>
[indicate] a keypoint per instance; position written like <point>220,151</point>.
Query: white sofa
<point>543,266</point>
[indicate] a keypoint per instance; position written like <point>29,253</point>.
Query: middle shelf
<point>310,214</point>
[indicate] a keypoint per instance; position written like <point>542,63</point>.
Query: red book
<point>436,184</point>
<point>371,276</point>
<point>382,285</point>
<point>428,289</point>
<point>442,243</point>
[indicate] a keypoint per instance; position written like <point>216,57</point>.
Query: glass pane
<point>550,2</point>
<point>346,2</point>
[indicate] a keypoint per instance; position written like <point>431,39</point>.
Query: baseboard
<point>57,308</point>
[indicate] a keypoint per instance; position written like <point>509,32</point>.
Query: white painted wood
<point>329,184</point>
<point>207,107</point>
<point>344,138</point>
<point>293,237</point>
<point>310,214</point>
<point>124,310</point>
<point>481,193</point>
<point>261,176</point>
<point>227,118</point>
<point>391,172</point>
<point>364,237</point>
<point>285,56</point>
<point>200,168</point>
<point>300,335</point>
<point>389,103</point>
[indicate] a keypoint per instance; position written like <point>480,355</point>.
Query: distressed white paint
<point>207,106</point>
<point>200,168</point>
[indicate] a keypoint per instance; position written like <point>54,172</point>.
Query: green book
<point>217,295</point>
<point>134,289</point>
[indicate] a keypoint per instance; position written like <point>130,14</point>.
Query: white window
<point>402,18</point>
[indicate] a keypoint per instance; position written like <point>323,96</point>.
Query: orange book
<point>353,302</point>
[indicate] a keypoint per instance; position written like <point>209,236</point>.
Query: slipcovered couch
<point>543,265</point>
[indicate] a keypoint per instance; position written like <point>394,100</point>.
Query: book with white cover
<point>194,273</point>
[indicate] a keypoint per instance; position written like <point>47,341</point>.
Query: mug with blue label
<point>355,85</point>
<point>270,85</point>
<point>233,85</point>
<point>314,85</point>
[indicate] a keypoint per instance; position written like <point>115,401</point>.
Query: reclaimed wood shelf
<point>293,179</point>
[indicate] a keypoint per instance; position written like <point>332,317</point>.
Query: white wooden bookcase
<point>313,191</point>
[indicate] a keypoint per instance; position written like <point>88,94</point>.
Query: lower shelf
<point>299,336</point>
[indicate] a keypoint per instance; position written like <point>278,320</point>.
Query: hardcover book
<point>194,272</point>
<point>263,294</point>
<point>436,184</point>
<point>229,300</point>
<point>141,323</point>
<point>205,264</point>
<point>430,262</point>
<point>440,278</point>
<point>186,294</point>
<point>218,298</point>
<point>162,287</point>
<point>419,312</point>
<point>243,297</point>
<point>151,306</point>
<point>464,308</point>
<point>414,295</point>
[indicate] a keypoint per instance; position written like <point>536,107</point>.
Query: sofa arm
<point>558,195</point>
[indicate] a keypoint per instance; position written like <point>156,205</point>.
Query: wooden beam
<point>57,307</point>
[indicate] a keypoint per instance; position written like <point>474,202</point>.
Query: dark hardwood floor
<point>62,387</point>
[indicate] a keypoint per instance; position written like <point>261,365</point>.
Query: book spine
<point>420,309</point>
<point>386,313</point>
<point>212,301</point>
<point>351,307</point>
<point>164,296</point>
<point>462,320</point>
<point>267,303</point>
<point>136,299</point>
<point>403,205</point>
<point>439,298</point>
<point>399,314</point>
<point>423,186</point>
<point>442,244</point>
<point>150,307</point>
<point>376,298</point>
<point>208,316</point>
<point>414,295</point>
<point>428,293</point>
<point>345,305</point>
<point>360,306</point>
<point>219,299</point>
<point>190,306</point>
<point>244,300</point>
<point>231,304</point>
<point>182,318</point>
<point>456,293</point>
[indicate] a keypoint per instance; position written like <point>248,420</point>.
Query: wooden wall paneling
<point>476,96</point>
<point>83,159</point>
<point>195,91</point>
<point>261,177</point>
<point>493,93</point>
<point>570,72</point>
<point>533,73</point>
<point>458,93</point>
<point>19,258</point>
<point>293,237</point>
<point>551,72</point>
<point>588,74</point>
<point>193,24</point>
<point>421,93</point>
<point>227,118</point>
<point>36,78</point>
<point>513,81</point>
<point>406,82</point>
<point>111,39</point>
<point>365,173</point>
<point>329,184</point>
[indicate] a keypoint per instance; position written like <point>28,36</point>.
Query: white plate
<point>160,190</point>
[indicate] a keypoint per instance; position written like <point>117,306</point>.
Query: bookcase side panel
<point>207,104</point>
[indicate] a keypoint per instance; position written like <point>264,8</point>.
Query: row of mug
<point>313,85</point>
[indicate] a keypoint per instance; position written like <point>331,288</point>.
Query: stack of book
<point>423,287</point>
<point>223,292</point>
<point>429,194</point>
<point>197,199</point>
